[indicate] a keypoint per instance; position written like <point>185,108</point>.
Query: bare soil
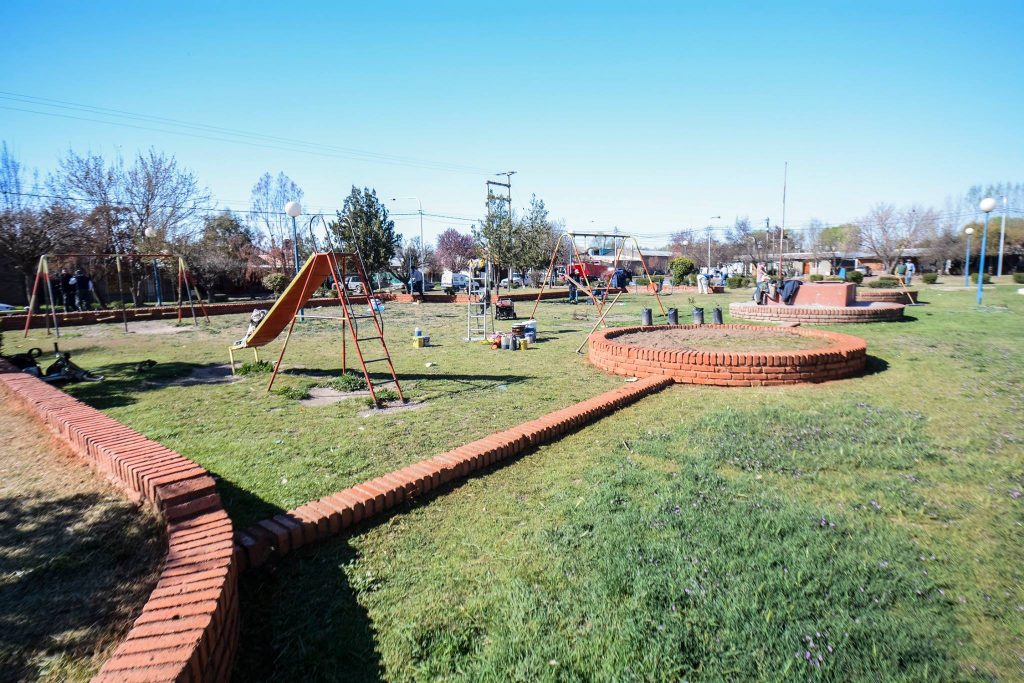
<point>711,338</point>
<point>77,560</point>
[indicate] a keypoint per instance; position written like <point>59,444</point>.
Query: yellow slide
<point>316,269</point>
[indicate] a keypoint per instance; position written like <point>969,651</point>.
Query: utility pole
<point>508,187</point>
<point>1002,238</point>
<point>767,241</point>
<point>709,241</point>
<point>782,228</point>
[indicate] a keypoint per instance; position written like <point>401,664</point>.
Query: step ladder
<point>374,336</point>
<point>478,311</point>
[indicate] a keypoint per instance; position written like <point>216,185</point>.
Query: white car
<point>517,281</point>
<point>454,281</point>
<point>353,284</point>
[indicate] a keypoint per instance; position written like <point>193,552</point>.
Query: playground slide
<point>314,271</point>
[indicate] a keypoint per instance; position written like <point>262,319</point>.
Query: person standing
<point>83,289</point>
<point>66,289</point>
<point>910,270</point>
<point>762,274</point>
<point>702,283</point>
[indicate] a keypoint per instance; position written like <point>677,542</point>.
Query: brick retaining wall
<point>894,296</point>
<point>866,312</point>
<point>844,357</point>
<point>329,516</point>
<point>188,629</point>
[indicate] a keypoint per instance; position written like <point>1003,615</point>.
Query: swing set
<point>580,269</point>
<point>44,280</point>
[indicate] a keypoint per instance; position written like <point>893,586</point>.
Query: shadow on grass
<point>77,569</point>
<point>123,382</point>
<point>874,365</point>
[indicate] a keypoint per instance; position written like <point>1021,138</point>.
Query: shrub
<point>276,282</point>
<point>734,281</point>
<point>747,281</point>
<point>884,283</point>
<point>932,278</point>
<point>816,278</point>
<point>258,367</point>
<point>854,276</point>
<point>294,393</point>
<point>987,280</point>
<point>680,268</point>
<point>116,305</point>
<point>383,396</point>
<point>1018,278</point>
<point>350,381</point>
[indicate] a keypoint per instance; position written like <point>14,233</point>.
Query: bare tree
<point>455,250</point>
<point>163,199</point>
<point>887,233</point>
<point>266,205</point>
<point>96,188</point>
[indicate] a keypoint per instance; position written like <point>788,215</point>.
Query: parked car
<point>353,285</point>
<point>454,281</point>
<point>517,281</point>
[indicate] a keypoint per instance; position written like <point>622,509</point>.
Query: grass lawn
<point>77,561</point>
<point>863,529</point>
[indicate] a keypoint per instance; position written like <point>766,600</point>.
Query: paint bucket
<point>417,332</point>
<point>698,316</point>
<point>377,305</point>
<point>518,329</point>
<point>531,337</point>
<point>505,339</point>
<point>716,315</point>
<point>531,326</point>
<point>646,318</point>
<point>419,342</point>
<point>524,344</point>
<point>673,316</point>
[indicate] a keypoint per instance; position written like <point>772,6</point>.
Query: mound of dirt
<point>713,338</point>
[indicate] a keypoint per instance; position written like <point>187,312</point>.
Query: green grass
<point>702,534</point>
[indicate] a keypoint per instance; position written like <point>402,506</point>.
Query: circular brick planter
<point>893,296</point>
<point>862,312</point>
<point>843,355</point>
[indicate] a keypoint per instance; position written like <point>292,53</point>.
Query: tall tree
<point>266,208</point>
<point>455,250</point>
<point>363,223</point>
<point>498,234</point>
<point>162,198</point>
<point>839,241</point>
<point>224,254</point>
<point>887,233</point>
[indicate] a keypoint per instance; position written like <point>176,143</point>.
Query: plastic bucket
<point>646,319</point>
<point>698,316</point>
<point>673,316</point>
<point>716,315</point>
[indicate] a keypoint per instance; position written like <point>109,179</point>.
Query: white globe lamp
<point>149,232</point>
<point>987,204</point>
<point>293,209</point>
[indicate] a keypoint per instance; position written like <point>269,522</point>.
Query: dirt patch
<point>77,560</point>
<point>208,374</point>
<point>711,338</point>
<point>392,407</point>
<point>325,396</point>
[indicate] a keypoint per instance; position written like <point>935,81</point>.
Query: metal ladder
<point>477,314</point>
<point>352,320</point>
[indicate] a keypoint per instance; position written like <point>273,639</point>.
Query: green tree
<point>224,254</point>
<point>680,268</point>
<point>363,222</point>
<point>497,234</point>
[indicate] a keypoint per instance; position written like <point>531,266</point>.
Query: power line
<point>217,133</point>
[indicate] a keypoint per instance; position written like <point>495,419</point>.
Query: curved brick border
<point>332,514</point>
<point>188,629</point>
<point>893,296</point>
<point>845,356</point>
<point>872,312</point>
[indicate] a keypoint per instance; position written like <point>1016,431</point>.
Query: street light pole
<point>1002,238</point>
<point>423,246</point>
<point>709,241</point>
<point>986,205</point>
<point>967,258</point>
<point>294,209</point>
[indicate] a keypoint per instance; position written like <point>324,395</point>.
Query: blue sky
<point>651,117</point>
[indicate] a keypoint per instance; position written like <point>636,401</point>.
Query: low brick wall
<point>188,629</point>
<point>894,296</point>
<point>844,357</point>
<point>329,516</point>
<point>864,312</point>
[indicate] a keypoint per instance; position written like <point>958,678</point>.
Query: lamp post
<point>709,242</point>
<point>967,258</point>
<point>986,205</point>
<point>294,209</point>
<point>1002,238</point>
<point>423,246</point>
